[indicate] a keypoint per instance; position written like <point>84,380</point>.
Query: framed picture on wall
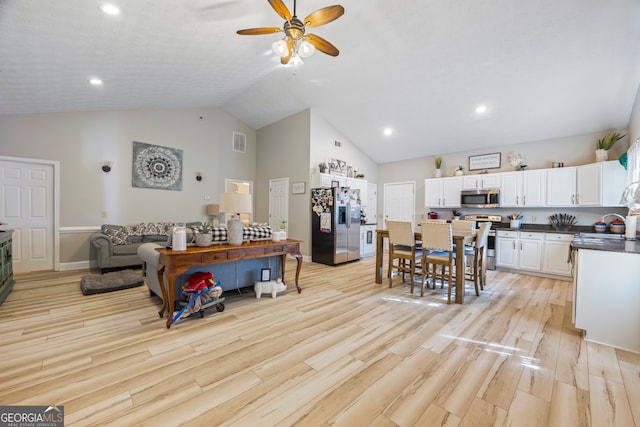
<point>265,275</point>
<point>338,167</point>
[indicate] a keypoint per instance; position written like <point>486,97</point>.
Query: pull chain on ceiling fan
<point>296,44</point>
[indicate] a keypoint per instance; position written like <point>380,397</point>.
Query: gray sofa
<point>117,245</point>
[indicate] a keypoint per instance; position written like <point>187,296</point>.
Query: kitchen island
<point>606,289</point>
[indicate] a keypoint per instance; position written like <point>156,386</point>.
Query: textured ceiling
<point>544,68</point>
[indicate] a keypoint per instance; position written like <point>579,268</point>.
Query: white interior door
<point>400,201</point>
<point>278,202</point>
<point>27,206</point>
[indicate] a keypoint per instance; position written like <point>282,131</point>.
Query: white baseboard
<point>78,265</point>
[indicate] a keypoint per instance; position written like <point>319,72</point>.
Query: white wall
<point>323,148</point>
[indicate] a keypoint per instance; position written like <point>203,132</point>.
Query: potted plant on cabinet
<point>438,163</point>
<point>604,145</point>
<point>323,167</point>
<point>459,170</point>
<point>204,235</point>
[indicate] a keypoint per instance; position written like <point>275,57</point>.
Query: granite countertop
<point>610,245</point>
<point>543,228</point>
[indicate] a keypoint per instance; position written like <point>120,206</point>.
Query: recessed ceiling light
<point>480,109</point>
<point>388,131</point>
<point>95,82</point>
<point>110,9</point>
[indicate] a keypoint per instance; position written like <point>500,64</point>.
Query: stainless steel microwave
<point>485,198</point>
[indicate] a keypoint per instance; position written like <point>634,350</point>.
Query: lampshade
<point>306,49</point>
<point>213,209</point>
<point>236,203</point>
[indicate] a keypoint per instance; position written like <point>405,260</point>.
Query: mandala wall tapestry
<point>156,167</point>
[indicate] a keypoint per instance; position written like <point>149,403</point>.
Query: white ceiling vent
<point>239,142</point>
<point>337,143</point>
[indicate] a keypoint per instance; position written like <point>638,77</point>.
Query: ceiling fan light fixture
<point>296,60</point>
<point>306,49</point>
<point>280,48</point>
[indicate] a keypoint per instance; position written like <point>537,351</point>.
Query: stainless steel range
<point>491,240</point>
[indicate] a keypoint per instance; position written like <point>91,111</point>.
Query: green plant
<point>206,228</point>
<point>322,166</point>
<point>606,142</point>
<point>438,161</point>
<point>359,175</point>
<point>459,168</point>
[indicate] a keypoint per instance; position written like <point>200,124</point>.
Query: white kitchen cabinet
<point>607,296</point>
<point>531,246</point>
<point>442,192</point>
<point>372,202</point>
<point>507,249</point>
<point>367,240</point>
<point>480,181</point>
<point>519,250</point>
<point>600,184</point>
<point>523,188</point>
<point>556,254</point>
<point>510,189</point>
<point>561,186</point>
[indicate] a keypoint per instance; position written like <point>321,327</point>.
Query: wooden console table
<point>174,263</point>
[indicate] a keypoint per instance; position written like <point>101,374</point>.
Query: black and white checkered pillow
<point>256,233</point>
<point>219,234</point>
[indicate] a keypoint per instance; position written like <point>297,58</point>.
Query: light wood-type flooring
<point>345,352</point>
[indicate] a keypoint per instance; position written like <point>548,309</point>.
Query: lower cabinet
<point>556,254</point>
<point>535,252</point>
<point>367,240</point>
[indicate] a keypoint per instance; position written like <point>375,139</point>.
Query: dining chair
<point>477,268</point>
<point>462,225</point>
<point>437,251</point>
<point>402,246</point>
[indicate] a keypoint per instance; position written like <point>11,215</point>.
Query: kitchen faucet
<point>620,217</point>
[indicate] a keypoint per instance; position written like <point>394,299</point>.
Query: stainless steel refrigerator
<point>335,224</point>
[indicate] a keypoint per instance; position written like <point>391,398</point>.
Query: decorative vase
<point>459,173</point>
<point>515,223</point>
<point>602,155</point>
<point>204,239</point>
<point>438,173</point>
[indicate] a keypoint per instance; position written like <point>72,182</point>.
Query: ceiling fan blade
<point>258,31</point>
<point>281,9</point>
<point>322,45</point>
<point>291,45</point>
<point>324,15</point>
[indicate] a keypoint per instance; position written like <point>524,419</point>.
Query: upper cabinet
<point>481,181</point>
<point>442,192</point>
<point>597,184</point>
<point>523,189</point>
<point>600,184</point>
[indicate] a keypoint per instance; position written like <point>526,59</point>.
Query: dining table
<point>460,239</point>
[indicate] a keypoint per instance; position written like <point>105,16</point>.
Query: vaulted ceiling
<point>544,69</point>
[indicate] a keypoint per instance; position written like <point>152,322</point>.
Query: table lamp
<point>214,211</point>
<point>235,204</point>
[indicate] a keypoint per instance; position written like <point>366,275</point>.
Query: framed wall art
<point>484,161</point>
<point>156,167</point>
<point>338,167</point>
<point>297,188</point>
<point>265,275</point>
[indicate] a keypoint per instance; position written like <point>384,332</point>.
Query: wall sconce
<point>198,176</point>
<point>106,166</point>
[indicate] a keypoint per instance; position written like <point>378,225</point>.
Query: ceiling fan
<point>296,44</point>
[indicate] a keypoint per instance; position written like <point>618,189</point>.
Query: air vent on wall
<point>338,143</point>
<point>239,142</point>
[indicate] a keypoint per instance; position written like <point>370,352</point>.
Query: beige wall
<point>283,151</point>
<point>82,141</point>
<point>573,151</point>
